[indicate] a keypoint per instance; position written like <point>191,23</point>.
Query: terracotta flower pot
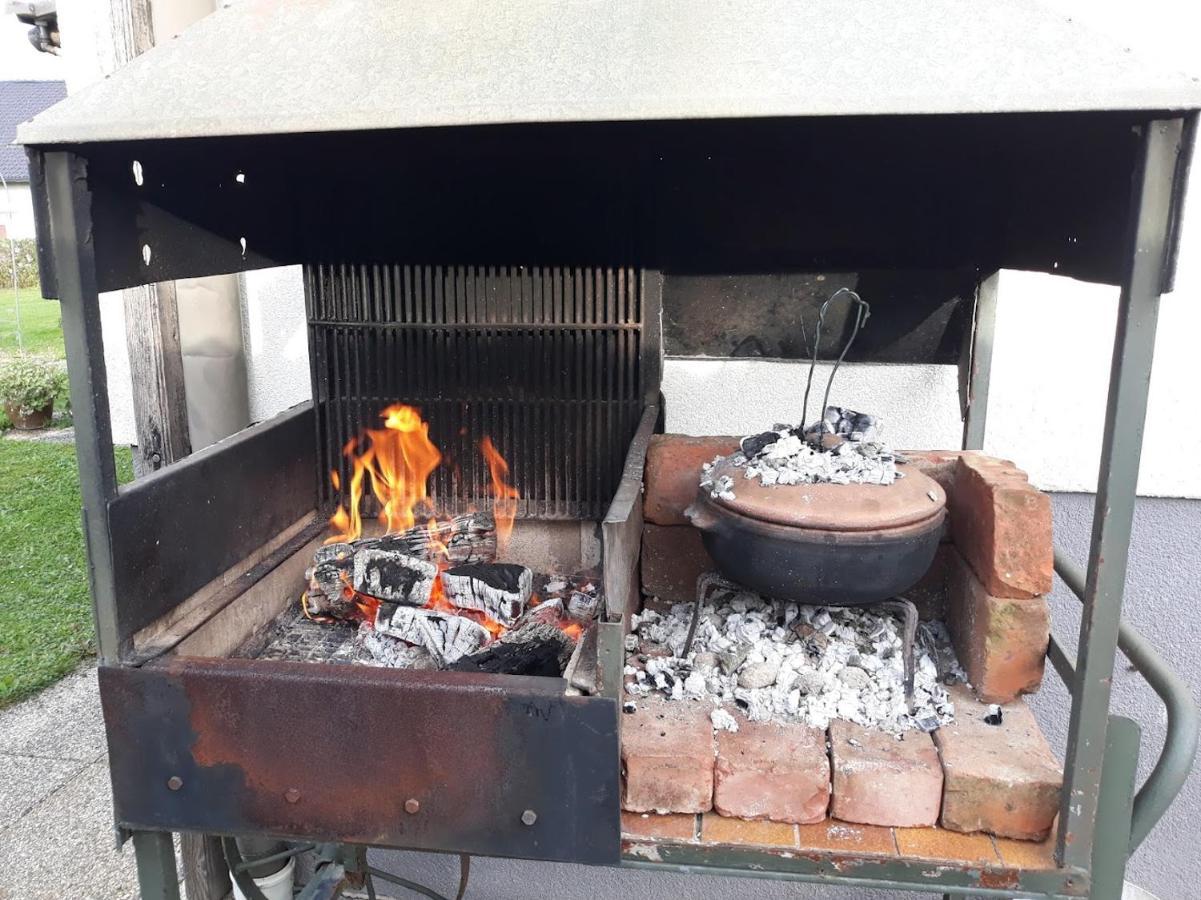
<point>36,420</point>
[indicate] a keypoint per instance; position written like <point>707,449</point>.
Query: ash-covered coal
<point>844,447</point>
<point>791,663</point>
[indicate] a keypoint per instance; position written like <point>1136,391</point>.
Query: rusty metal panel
<point>336,753</point>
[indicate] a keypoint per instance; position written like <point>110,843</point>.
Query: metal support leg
<point>1134,345</point>
<point>71,239</point>
<point>1111,843</point>
<point>979,369</point>
<point>155,855</point>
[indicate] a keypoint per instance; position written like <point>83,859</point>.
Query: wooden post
<point>161,409</point>
<point>151,315</point>
<point>156,370</point>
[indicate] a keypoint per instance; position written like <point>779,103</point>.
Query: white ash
<point>392,652</point>
<point>722,720</point>
<point>791,663</point>
<point>783,456</point>
<point>934,639</point>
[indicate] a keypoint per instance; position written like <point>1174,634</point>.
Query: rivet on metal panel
<point>292,795</point>
<point>174,783</point>
<point>529,817</point>
<point>412,807</point>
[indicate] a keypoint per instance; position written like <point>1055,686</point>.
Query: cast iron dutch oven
<point>834,544</point>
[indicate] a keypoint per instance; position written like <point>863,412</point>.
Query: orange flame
<point>395,463</point>
<point>399,459</point>
<point>504,505</point>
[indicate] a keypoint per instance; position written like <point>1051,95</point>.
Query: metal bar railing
<point>1180,740</point>
<point>1063,665</point>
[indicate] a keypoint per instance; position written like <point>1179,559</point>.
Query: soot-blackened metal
<point>351,754</point>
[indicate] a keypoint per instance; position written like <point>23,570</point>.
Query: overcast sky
<point>18,59</point>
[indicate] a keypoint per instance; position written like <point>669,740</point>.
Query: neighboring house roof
<point>272,66</point>
<point>20,101</point>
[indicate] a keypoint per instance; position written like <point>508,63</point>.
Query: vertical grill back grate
<point>545,361</point>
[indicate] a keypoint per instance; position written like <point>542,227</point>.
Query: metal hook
<point>863,311</point>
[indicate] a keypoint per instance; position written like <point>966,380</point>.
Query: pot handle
<point>701,517</point>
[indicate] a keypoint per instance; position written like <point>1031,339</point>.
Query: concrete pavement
<point>56,832</point>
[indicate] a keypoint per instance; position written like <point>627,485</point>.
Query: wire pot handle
<point>863,311</point>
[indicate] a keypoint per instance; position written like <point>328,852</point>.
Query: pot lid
<point>834,507</point>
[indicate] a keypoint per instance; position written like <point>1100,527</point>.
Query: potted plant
<point>28,388</point>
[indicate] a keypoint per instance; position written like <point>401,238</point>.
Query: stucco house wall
<point>16,211</point>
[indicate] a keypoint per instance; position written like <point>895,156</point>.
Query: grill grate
<point>545,361</point>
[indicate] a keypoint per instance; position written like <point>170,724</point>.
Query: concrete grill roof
<point>19,102</point>
<point>276,66</point>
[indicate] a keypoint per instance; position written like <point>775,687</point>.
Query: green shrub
<point>30,383</point>
<point>27,263</point>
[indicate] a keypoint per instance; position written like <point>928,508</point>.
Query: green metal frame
<point>1099,823</point>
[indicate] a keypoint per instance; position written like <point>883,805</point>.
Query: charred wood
<point>534,649</point>
<point>446,636</point>
<point>581,672</point>
<point>394,576</point>
<point>548,612</point>
<point>580,595</point>
<point>465,539</point>
<point>501,590</point>
<point>328,581</point>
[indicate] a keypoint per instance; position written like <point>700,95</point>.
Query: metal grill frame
<point>554,364</point>
<point>1100,823</point>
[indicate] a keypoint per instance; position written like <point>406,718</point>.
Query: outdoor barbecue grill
<point>510,234</point>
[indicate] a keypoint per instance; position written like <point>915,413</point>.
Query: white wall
<point>16,211</point>
<point>276,340</point>
<point>19,61</point>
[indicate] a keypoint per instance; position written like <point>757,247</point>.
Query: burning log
<point>501,590</point>
<point>327,581</point>
<point>394,576</point>
<point>446,636</point>
<point>463,540</point>
<point>377,567</point>
<point>548,612</point>
<point>534,649</point>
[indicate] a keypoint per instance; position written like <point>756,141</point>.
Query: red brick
<point>671,827</point>
<point>1001,642</point>
<point>673,557</point>
<point>772,771</point>
<point>673,471</point>
<point>937,464</point>
<point>1002,779</point>
<point>882,780</point>
<point>1002,526</point>
<point>667,757</point>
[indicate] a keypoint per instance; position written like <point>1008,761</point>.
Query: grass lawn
<point>45,609</point>
<point>40,326</point>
